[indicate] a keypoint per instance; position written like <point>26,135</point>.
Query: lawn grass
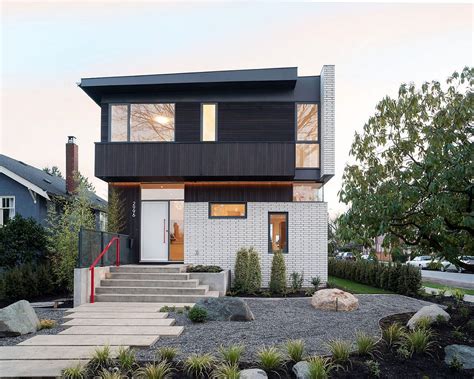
<point>354,287</point>
<point>438,286</point>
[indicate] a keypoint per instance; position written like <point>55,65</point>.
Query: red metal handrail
<point>117,261</point>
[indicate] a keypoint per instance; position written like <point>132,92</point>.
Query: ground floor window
<point>227,210</point>
<point>277,232</point>
<point>7,209</point>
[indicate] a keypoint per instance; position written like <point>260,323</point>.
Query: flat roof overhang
<point>285,77</point>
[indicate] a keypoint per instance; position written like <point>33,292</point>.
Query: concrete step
<point>116,315</point>
<point>123,330</point>
<point>200,290</point>
<point>50,352</point>
<point>119,322</point>
<point>90,340</point>
<point>151,269</point>
<point>167,299</point>
<point>119,308</point>
<point>191,283</point>
<point>36,368</point>
<point>145,276</point>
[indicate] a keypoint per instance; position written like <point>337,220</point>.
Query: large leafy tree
<point>413,180</point>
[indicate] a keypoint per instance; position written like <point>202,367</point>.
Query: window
<point>118,123</point>
<point>208,122</point>
<point>7,209</point>
<point>277,232</point>
<point>102,221</point>
<point>152,122</point>
<point>227,210</point>
<point>307,192</point>
<point>307,146</point>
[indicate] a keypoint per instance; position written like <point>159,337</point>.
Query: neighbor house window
<point>7,209</point>
<point>208,122</point>
<point>152,122</point>
<point>119,123</point>
<point>227,210</point>
<point>307,192</point>
<point>277,232</point>
<point>307,146</point>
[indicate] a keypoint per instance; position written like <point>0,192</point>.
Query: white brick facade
<point>216,241</point>
<point>328,144</point>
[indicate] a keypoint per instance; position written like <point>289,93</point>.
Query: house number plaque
<point>134,207</point>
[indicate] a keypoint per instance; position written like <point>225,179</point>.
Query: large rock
<point>301,370</point>
<point>18,318</point>
<point>226,309</point>
<point>253,373</point>
<point>334,299</point>
<point>464,353</point>
<point>431,312</point>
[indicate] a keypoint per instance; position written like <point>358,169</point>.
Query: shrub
<point>106,374</point>
<point>241,270</point>
<point>440,319</point>
<point>316,282</point>
<point>393,334</point>
<point>46,324</point>
<point>320,368</point>
<point>419,341</point>
<point>374,368</point>
<point>457,333</point>
<point>365,344</point>
<point>340,350</point>
<point>297,280</point>
<point>231,354</point>
<point>423,322</point>
<point>458,294</point>
<point>402,279</point>
<point>270,359</point>
<point>78,371</point>
<point>226,371</point>
<point>403,352</point>
<point>167,353</point>
<point>197,314</point>
<point>278,274</point>
<point>434,265</point>
<point>204,268</point>
<point>161,370</point>
<point>167,308</point>
<point>126,359</point>
<point>101,357</point>
<point>464,312</point>
<point>442,291</point>
<point>254,277</point>
<point>198,365</point>
<point>456,364</point>
<point>295,350</point>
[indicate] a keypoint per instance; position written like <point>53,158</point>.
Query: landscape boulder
<point>334,299</point>
<point>226,309</point>
<point>464,353</point>
<point>431,312</point>
<point>301,370</point>
<point>17,319</point>
<point>253,373</point>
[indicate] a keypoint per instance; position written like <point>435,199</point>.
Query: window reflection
<point>278,232</point>
<point>119,123</point>
<point>307,155</point>
<point>209,122</point>
<point>306,192</point>
<point>176,230</point>
<point>307,122</point>
<point>231,210</point>
<point>152,122</point>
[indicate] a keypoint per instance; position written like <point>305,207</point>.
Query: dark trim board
<point>238,192</point>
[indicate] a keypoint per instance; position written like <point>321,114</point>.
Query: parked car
<point>421,262</point>
<point>448,266</point>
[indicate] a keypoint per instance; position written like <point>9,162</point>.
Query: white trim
<point>24,182</point>
<point>11,216</point>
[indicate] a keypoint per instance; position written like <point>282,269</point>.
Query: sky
<point>47,47</point>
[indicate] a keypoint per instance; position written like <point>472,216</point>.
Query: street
<point>464,280</point>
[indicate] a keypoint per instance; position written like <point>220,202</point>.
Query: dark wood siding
<point>117,161</point>
<point>129,196</point>
<point>238,192</point>
<point>188,122</point>
<point>104,122</point>
<point>256,122</point>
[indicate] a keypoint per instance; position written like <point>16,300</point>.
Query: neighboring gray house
<point>26,190</point>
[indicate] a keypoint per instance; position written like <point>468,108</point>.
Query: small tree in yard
<point>115,212</point>
<point>63,234</point>
<point>278,274</point>
<point>254,280</point>
<point>241,270</point>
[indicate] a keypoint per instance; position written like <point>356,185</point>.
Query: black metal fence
<point>92,242</point>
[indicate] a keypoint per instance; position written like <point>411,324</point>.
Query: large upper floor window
<point>307,137</point>
<point>7,209</point>
<point>142,122</point>
<point>208,122</point>
<point>307,192</point>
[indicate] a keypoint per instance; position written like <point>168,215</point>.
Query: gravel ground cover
<point>43,313</point>
<point>277,320</point>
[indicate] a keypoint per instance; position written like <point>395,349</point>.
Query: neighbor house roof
<point>39,181</point>
<point>284,77</point>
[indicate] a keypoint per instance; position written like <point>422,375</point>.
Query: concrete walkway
<point>91,326</point>
<point>468,298</point>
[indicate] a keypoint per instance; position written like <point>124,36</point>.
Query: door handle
<point>164,230</point>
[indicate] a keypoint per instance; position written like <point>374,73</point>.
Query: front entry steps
<point>151,284</point>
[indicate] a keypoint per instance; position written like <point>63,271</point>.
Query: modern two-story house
<point>209,162</point>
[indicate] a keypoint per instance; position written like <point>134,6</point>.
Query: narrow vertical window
<point>307,146</point>
<point>7,209</point>
<point>277,232</point>
<point>208,122</point>
<point>118,123</point>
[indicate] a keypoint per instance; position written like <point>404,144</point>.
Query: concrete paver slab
<point>120,322</point>
<point>85,331</point>
<point>90,340</point>
<point>35,368</point>
<point>50,352</point>
<point>119,315</point>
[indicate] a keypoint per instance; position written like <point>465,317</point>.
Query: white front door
<point>154,231</point>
